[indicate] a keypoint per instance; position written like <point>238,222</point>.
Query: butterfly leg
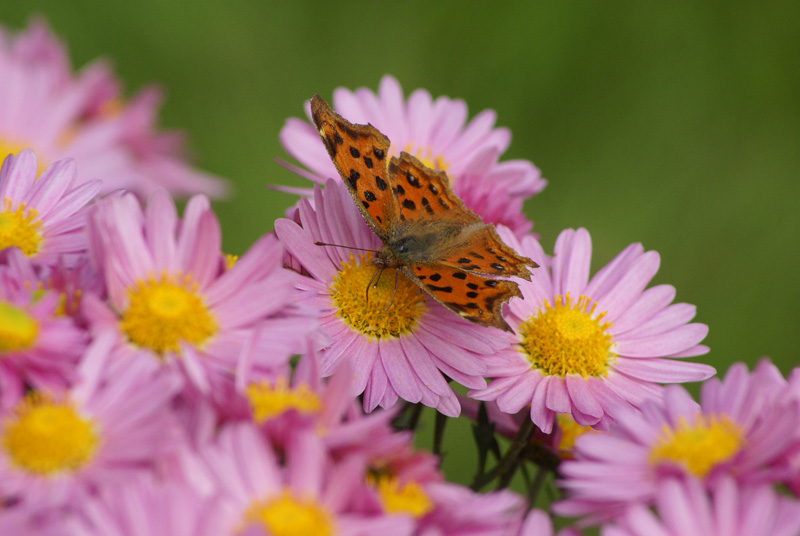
<point>394,290</point>
<point>376,277</point>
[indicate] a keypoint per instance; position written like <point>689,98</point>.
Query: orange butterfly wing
<point>423,192</point>
<point>359,153</point>
<point>424,197</point>
<point>471,296</point>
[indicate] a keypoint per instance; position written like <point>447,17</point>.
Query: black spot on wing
<point>354,152</point>
<point>498,267</point>
<point>473,286</point>
<point>412,180</point>
<point>461,275</point>
<point>380,184</point>
<point>337,138</point>
<point>368,162</point>
<point>409,204</point>
<point>436,277</point>
<point>427,206</point>
<point>379,153</point>
<point>434,288</point>
<point>476,255</point>
<point>353,178</point>
<point>369,196</point>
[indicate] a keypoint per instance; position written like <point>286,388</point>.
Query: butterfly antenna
<point>376,277</point>
<point>394,291</point>
<point>318,243</point>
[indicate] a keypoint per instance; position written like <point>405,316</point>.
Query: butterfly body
<point>427,232</point>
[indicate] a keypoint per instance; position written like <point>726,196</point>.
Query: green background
<point>674,124</point>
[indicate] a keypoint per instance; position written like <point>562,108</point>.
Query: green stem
<point>506,467</point>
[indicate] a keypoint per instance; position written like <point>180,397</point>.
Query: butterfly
<point>427,232</point>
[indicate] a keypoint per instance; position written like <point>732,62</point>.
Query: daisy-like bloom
<point>57,446</point>
<point>685,508</point>
<point>174,300</point>
<point>538,523</point>
<point>144,506</point>
<point>436,132</point>
<point>46,107</point>
<point>44,216</point>
<point>592,347</point>
<point>738,430</point>
<point>307,494</point>
<point>398,341</point>
<point>459,511</point>
<point>39,346</point>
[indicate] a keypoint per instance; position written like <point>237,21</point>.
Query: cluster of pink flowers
<point>152,384</point>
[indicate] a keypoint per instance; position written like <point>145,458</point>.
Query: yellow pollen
<point>18,330</point>
<point>268,401</point>
<point>426,156</point>
<point>162,312</point>
<point>570,431</point>
<point>367,312</point>
<point>230,260</point>
<point>285,515</point>
<point>700,446</point>
<point>45,437</point>
<point>567,338</point>
<point>409,498</point>
<point>19,227</point>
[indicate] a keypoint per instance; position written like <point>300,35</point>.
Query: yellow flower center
<point>426,156</point>
<point>19,227</point>
<point>162,312</point>
<point>567,338</point>
<point>699,446</point>
<point>18,329</point>
<point>230,260</point>
<point>383,311</point>
<point>285,515</point>
<point>45,437</point>
<point>268,401</point>
<point>570,431</point>
<point>409,498</point>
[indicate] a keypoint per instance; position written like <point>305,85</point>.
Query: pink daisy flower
<point>459,511</point>
<point>308,494</point>
<point>39,347</point>
<point>23,520</point>
<point>397,352</point>
<point>43,216</point>
<point>686,508</point>
<point>591,348</point>
<point>56,447</point>
<point>57,113</point>
<point>436,132</point>
<point>281,407</point>
<point>174,300</point>
<point>736,431</point>
<point>538,523</point>
<point>143,506</point>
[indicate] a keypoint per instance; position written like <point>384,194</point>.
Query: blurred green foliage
<point>674,124</point>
